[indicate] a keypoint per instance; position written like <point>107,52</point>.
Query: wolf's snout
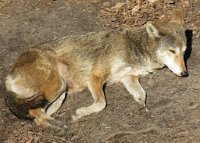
<point>184,74</point>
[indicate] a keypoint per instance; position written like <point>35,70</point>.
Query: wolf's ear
<point>152,30</point>
<point>177,17</point>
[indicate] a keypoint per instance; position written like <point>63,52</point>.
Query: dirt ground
<point>173,102</point>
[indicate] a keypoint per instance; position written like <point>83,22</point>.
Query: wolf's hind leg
<point>43,117</point>
<point>53,107</point>
<point>135,89</point>
<point>55,94</point>
<point>96,88</point>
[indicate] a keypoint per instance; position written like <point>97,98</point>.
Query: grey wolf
<point>42,76</point>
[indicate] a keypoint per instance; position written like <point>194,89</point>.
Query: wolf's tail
<point>20,107</point>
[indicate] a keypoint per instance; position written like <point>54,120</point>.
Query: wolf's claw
<point>146,109</point>
<point>56,124</point>
<point>76,117</point>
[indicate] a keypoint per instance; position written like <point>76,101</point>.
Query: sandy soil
<point>174,102</point>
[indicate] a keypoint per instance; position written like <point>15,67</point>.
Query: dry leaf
<point>185,3</point>
<point>135,9</point>
<point>152,1</point>
<point>118,6</point>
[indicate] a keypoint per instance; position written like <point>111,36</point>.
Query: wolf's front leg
<point>95,86</point>
<point>135,89</point>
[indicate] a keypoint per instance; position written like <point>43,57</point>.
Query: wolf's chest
<point>120,69</point>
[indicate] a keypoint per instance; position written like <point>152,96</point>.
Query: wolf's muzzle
<point>184,74</point>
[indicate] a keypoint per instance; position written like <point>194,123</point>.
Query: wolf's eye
<point>172,51</point>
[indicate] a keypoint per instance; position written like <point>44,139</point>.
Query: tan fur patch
<point>55,105</point>
<point>21,91</point>
<point>118,70</point>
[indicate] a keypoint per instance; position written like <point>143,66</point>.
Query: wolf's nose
<point>184,74</point>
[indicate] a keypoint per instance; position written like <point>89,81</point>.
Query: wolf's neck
<point>143,48</point>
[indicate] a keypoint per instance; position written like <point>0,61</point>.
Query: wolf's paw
<point>147,110</point>
<point>140,99</point>
<point>75,118</point>
<point>50,123</point>
<point>55,124</point>
<point>79,113</point>
<point>57,129</point>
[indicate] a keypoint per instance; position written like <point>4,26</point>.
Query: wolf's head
<point>171,43</point>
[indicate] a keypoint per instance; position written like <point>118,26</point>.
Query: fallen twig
<point>141,131</point>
